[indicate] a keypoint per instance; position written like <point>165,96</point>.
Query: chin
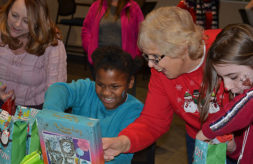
<point>15,35</point>
<point>169,76</point>
<point>111,107</point>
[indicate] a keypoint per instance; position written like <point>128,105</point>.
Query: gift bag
<point>29,115</point>
<point>206,153</point>
<point>33,158</point>
<point>13,134</point>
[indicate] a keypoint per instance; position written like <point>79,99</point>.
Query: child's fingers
<point>3,88</point>
<point>6,96</point>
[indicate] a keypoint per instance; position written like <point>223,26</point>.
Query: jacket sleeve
<point>239,115</point>
<point>56,64</point>
<point>56,97</point>
<point>155,118</point>
<point>241,108</point>
<point>87,25</point>
<point>139,19</point>
<point>61,96</point>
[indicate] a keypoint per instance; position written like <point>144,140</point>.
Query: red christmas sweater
<point>166,97</point>
<point>237,118</point>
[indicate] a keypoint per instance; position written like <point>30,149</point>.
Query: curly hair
<point>114,58</point>
<point>172,30</point>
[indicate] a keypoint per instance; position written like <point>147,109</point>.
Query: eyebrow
<point>229,74</point>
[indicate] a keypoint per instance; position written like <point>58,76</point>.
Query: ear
<point>131,83</point>
<point>185,52</point>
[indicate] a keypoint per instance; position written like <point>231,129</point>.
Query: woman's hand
<point>114,146</point>
<point>6,95</point>
<point>231,146</point>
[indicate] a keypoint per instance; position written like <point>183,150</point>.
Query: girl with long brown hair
<point>32,55</point>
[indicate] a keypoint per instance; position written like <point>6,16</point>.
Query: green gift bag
<point>206,153</point>
<point>19,135</point>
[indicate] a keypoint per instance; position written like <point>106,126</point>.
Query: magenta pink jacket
<point>129,32</point>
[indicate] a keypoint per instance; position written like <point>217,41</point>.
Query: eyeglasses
<point>156,58</point>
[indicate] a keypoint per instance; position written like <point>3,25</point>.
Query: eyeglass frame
<point>156,60</point>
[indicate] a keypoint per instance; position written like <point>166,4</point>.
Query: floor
<point>171,146</point>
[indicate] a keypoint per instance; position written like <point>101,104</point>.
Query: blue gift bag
<point>206,153</point>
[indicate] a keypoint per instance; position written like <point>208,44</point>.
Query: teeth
<point>108,99</point>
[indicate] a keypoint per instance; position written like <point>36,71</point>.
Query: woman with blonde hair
<point>32,55</point>
<point>176,49</point>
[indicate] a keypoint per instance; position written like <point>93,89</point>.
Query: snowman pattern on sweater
<point>189,105</point>
<point>191,102</point>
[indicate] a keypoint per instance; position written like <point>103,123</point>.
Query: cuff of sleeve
<point>131,142</point>
<point>208,132</point>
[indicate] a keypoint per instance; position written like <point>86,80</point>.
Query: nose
<point>18,23</point>
<point>151,64</point>
<point>228,84</point>
<point>106,91</point>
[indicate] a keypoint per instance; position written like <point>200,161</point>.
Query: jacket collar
<point>127,5</point>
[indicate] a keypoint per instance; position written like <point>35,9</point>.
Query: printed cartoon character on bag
<point>5,119</point>
<point>5,134</point>
<point>198,152</point>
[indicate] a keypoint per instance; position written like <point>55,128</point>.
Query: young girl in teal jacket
<point>105,99</point>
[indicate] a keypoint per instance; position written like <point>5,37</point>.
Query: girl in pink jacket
<point>112,22</point>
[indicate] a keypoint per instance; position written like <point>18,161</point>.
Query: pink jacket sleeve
<point>155,118</point>
<point>56,64</point>
<point>87,25</point>
<point>139,19</point>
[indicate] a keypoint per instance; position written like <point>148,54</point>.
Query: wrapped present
<point>67,138</point>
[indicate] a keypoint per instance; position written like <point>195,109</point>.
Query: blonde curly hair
<point>172,30</point>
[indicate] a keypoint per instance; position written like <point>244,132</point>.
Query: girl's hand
<point>6,95</point>
<point>202,137</point>
<point>231,146</point>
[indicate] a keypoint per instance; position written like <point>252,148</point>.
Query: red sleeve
<point>239,116</point>
<point>241,108</point>
<point>87,25</point>
<point>155,118</point>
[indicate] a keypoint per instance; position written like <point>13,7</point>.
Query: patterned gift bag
<point>29,115</point>
<point>206,153</point>
<point>13,134</point>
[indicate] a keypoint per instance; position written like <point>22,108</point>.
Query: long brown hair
<point>120,6</point>
<point>234,45</point>
<point>42,30</point>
